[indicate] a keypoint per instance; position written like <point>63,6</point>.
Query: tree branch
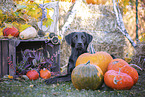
<point>67,24</point>
<point>121,23</point>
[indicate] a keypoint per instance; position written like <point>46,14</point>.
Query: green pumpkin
<point>87,76</point>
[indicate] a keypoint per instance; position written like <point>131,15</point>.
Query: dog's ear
<point>68,38</point>
<point>89,37</point>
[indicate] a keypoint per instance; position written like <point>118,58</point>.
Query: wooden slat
<point>0,58</point>
<point>5,57</point>
<point>57,58</point>
<point>12,55</point>
<point>54,51</point>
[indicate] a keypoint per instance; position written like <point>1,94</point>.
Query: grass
<point>23,88</point>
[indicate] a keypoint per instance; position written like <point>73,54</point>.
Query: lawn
<point>37,88</point>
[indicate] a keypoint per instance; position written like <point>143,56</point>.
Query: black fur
<point>79,42</point>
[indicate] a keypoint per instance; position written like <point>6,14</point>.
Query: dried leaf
<point>10,77</point>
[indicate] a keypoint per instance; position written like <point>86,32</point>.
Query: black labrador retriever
<point>79,42</point>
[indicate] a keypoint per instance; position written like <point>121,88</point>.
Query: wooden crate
<point>10,50</point>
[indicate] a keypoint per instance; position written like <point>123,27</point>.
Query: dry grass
<point>99,21</point>
<point>139,55</point>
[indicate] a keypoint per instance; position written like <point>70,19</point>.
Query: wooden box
<point>10,50</point>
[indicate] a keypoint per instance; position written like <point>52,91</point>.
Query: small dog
<point>79,42</point>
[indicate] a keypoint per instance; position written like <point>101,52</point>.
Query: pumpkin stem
<point>88,62</point>
<point>91,48</point>
<point>44,69</point>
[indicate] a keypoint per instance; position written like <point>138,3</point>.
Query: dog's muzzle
<point>79,46</point>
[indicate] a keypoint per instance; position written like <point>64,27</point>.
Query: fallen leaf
<point>31,86</point>
<point>10,77</point>
<point>25,77</point>
<point>55,93</point>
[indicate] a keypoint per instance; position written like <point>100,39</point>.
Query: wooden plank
<point>57,57</point>
<point>54,51</point>
<point>12,56</point>
<point>0,58</point>
<point>4,57</point>
<point>51,51</point>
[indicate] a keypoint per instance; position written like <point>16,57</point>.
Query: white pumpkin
<point>28,33</point>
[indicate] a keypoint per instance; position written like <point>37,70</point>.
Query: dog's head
<point>78,40</point>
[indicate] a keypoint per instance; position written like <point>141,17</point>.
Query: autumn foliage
<point>22,15</point>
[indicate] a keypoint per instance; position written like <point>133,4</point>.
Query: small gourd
<point>32,74</point>
<point>45,74</point>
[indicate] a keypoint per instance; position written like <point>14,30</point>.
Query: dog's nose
<point>79,44</point>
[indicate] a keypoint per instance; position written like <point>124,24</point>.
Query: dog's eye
<point>82,37</point>
<point>75,37</point>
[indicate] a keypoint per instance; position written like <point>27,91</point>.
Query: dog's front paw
<point>50,81</point>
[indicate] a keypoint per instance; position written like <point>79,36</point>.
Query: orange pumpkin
<point>68,1</point>
<point>45,74</point>
<point>96,1</point>
<point>118,80</point>
<point>32,74</point>
<point>130,71</point>
<point>115,64</point>
<point>11,31</point>
<point>124,67</point>
<point>101,59</point>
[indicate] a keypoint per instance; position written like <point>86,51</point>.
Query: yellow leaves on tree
<point>1,32</point>
<point>142,37</point>
<point>124,4</point>
<point>47,21</point>
<point>34,10</point>
<point>21,16</point>
<point>2,17</point>
<point>28,10</point>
